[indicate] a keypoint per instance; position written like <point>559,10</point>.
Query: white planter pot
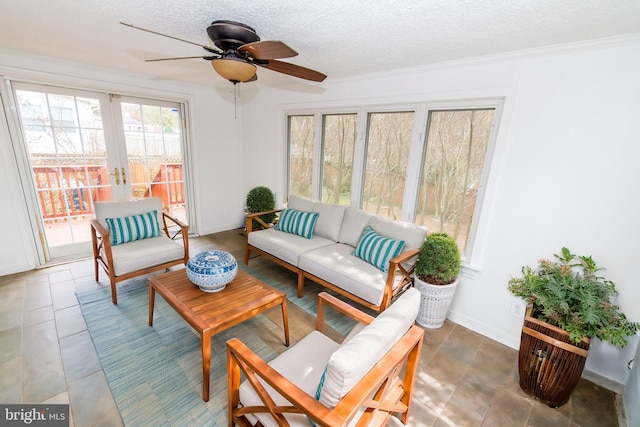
<point>435,302</point>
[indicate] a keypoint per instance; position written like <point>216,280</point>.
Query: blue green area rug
<point>155,373</point>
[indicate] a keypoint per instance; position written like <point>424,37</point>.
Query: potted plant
<point>569,303</point>
<point>260,199</point>
<point>436,277</point>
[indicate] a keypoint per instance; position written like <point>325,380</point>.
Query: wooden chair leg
<point>114,294</point>
<point>300,283</point>
<point>247,252</point>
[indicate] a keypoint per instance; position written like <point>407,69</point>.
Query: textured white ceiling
<point>337,37</point>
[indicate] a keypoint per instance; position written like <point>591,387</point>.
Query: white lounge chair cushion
<point>144,253</point>
<point>337,264</point>
<point>285,246</point>
<point>348,364</point>
<point>301,364</point>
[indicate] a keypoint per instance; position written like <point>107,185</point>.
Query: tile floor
<point>465,379</point>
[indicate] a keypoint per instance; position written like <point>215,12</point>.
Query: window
<point>388,141</point>
<point>424,164</point>
<point>339,135</point>
<point>301,134</point>
<point>456,147</point>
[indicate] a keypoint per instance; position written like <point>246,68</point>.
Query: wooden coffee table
<point>210,313</point>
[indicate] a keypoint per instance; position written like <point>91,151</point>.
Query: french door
<point>84,147</point>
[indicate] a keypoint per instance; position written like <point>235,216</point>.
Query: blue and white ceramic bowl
<point>212,270</point>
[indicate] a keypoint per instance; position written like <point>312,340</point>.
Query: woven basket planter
<point>435,302</point>
<point>549,364</point>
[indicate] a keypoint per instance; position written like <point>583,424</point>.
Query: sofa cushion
<point>300,203</point>
<point>354,222</point>
<point>285,246</point>
<point>348,364</point>
<point>336,264</point>
<point>303,365</point>
<point>412,234</point>
<point>297,222</point>
<point>376,249</point>
<point>144,253</point>
<point>329,221</point>
<point>135,227</point>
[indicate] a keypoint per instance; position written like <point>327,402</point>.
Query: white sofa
<point>327,258</point>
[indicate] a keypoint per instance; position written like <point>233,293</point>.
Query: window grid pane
<point>339,137</point>
<point>456,148</point>
<point>388,143</point>
<point>301,134</point>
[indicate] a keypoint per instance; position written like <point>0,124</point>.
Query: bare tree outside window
<point>301,134</point>
<point>339,135</point>
<point>388,142</point>
<point>456,148</point>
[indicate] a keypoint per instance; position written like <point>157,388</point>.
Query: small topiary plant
<point>260,199</point>
<point>439,261</point>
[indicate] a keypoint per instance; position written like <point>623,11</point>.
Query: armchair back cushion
<point>119,209</point>
<point>135,227</point>
<point>349,363</point>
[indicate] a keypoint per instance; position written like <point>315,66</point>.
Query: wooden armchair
<point>362,382</point>
<point>128,253</point>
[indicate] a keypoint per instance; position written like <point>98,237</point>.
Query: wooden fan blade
<point>207,48</point>
<point>292,70</point>
<point>208,58</point>
<point>268,49</point>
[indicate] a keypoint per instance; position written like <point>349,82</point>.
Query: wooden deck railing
<point>71,190</point>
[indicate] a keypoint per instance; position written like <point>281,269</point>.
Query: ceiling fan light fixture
<point>234,70</point>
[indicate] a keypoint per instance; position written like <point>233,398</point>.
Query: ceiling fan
<point>238,50</point>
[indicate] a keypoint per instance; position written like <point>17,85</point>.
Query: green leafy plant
<point>439,261</point>
<point>260,199</point>
<point>569,294</point>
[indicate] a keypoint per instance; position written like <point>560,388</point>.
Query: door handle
<point>117,175</point>
<point>124,177</point>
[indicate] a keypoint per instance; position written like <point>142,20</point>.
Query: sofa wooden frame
<point>100,240</point>
<point>385,390</point>
<point>395,265</point>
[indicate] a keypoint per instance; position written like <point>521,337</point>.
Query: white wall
<point>565,170</point>
<point>215,147</point>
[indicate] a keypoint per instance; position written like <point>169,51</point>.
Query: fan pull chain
<point>236,93</point>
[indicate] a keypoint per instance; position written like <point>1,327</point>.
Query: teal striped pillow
<point>377,250</point>
<point>297,222</point>
<point>136,227</point>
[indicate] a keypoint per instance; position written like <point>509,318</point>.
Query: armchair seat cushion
<point>144,253</point>
<point>303,364</point>
<point>286,246</point>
